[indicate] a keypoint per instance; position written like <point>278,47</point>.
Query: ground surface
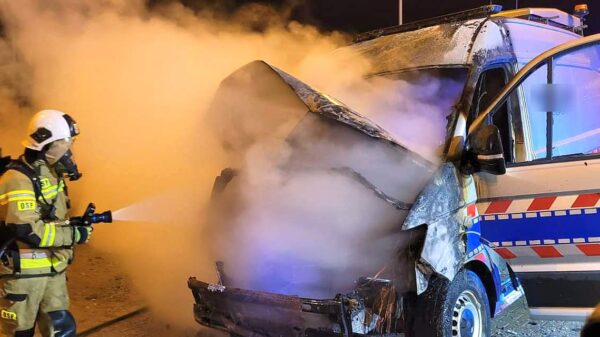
<point>515,322</point>
<point>100,292</point>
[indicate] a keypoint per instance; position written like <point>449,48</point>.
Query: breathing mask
<point>66,166</point>
<point>59,155</point>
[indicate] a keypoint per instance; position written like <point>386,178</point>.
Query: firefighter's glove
<point>76,221</point>
<point>82,234</point>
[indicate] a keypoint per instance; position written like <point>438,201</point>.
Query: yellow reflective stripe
<point>36,263</point>
<point>31,192</point>
<point>49,234</point>
<point>57,260</point>
<point>50,195</point>
<point>15,192</point>
<point>52,235</point>
<point>11,199</point>
<point>50,190</point>
<point>45,236</point>
<point>31,261</point>
<point>27,198</point>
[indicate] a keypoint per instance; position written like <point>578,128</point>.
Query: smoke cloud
<point>140,81</point>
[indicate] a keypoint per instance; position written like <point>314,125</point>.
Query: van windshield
<point>413,105</point>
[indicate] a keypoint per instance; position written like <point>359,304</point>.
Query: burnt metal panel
<point>453,18</point>
<point>328,107</point>
<point>444,250</point>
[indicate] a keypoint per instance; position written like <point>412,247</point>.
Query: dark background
<point>363,15</point>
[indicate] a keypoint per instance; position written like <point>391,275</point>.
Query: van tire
<point>453,309</point>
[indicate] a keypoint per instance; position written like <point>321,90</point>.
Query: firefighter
<point>36,233</point>
<point>592,326</point>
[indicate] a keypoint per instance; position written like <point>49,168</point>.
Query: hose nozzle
<point>91,217</point>
<point>105,217</point>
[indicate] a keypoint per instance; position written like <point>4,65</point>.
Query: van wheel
<point>453,309</point>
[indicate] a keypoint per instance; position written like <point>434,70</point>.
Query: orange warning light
<point>581,10</point>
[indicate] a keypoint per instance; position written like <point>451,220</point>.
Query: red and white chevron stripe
<point>551,203</point>
<point>549,251</point>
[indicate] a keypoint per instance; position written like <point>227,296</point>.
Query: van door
<point>543,214</point>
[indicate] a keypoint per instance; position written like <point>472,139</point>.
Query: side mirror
<point>485,150</point>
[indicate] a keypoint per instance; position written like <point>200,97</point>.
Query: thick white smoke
<point>139,83</point>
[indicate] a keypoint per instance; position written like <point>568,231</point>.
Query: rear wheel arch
<point>485,275</point>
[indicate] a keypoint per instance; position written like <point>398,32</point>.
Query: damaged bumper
<point>368,311</point>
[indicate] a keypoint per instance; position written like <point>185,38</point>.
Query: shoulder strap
<point>4,161</point>
<point>29,172</point>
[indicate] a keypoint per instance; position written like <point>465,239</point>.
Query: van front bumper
<point>260,314</point>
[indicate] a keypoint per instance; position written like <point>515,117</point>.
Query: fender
<point>439,206</point>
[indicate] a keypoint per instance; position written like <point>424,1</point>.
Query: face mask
<point>60,154</point>
<point>57,149</point>
<point>66,166</point>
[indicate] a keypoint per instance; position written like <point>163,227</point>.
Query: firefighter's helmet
<point>48,126</point>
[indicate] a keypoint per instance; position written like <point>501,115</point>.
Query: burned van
<point>503,180</point>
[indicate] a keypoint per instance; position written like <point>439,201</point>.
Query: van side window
<point>490,83</point>
<point>562,107</point>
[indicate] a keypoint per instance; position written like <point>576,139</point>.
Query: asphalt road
<point>515,322</point>
<point>144,325</point>
<point>544,329</point>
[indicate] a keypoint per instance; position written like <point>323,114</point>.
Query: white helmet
<point>48,126</point>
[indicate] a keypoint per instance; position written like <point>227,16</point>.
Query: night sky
<point>364,15</point>
<point>356,16</point>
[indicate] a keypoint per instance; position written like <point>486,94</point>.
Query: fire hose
<point>121,318</point>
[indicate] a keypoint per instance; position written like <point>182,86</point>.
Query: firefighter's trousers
<point>42,300</point>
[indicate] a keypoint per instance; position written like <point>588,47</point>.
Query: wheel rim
<point>467,317</point>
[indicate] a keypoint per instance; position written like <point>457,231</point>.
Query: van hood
<point>259,100</point>
<point>330,140</point>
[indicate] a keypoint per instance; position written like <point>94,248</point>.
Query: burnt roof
<point>480,12</point>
